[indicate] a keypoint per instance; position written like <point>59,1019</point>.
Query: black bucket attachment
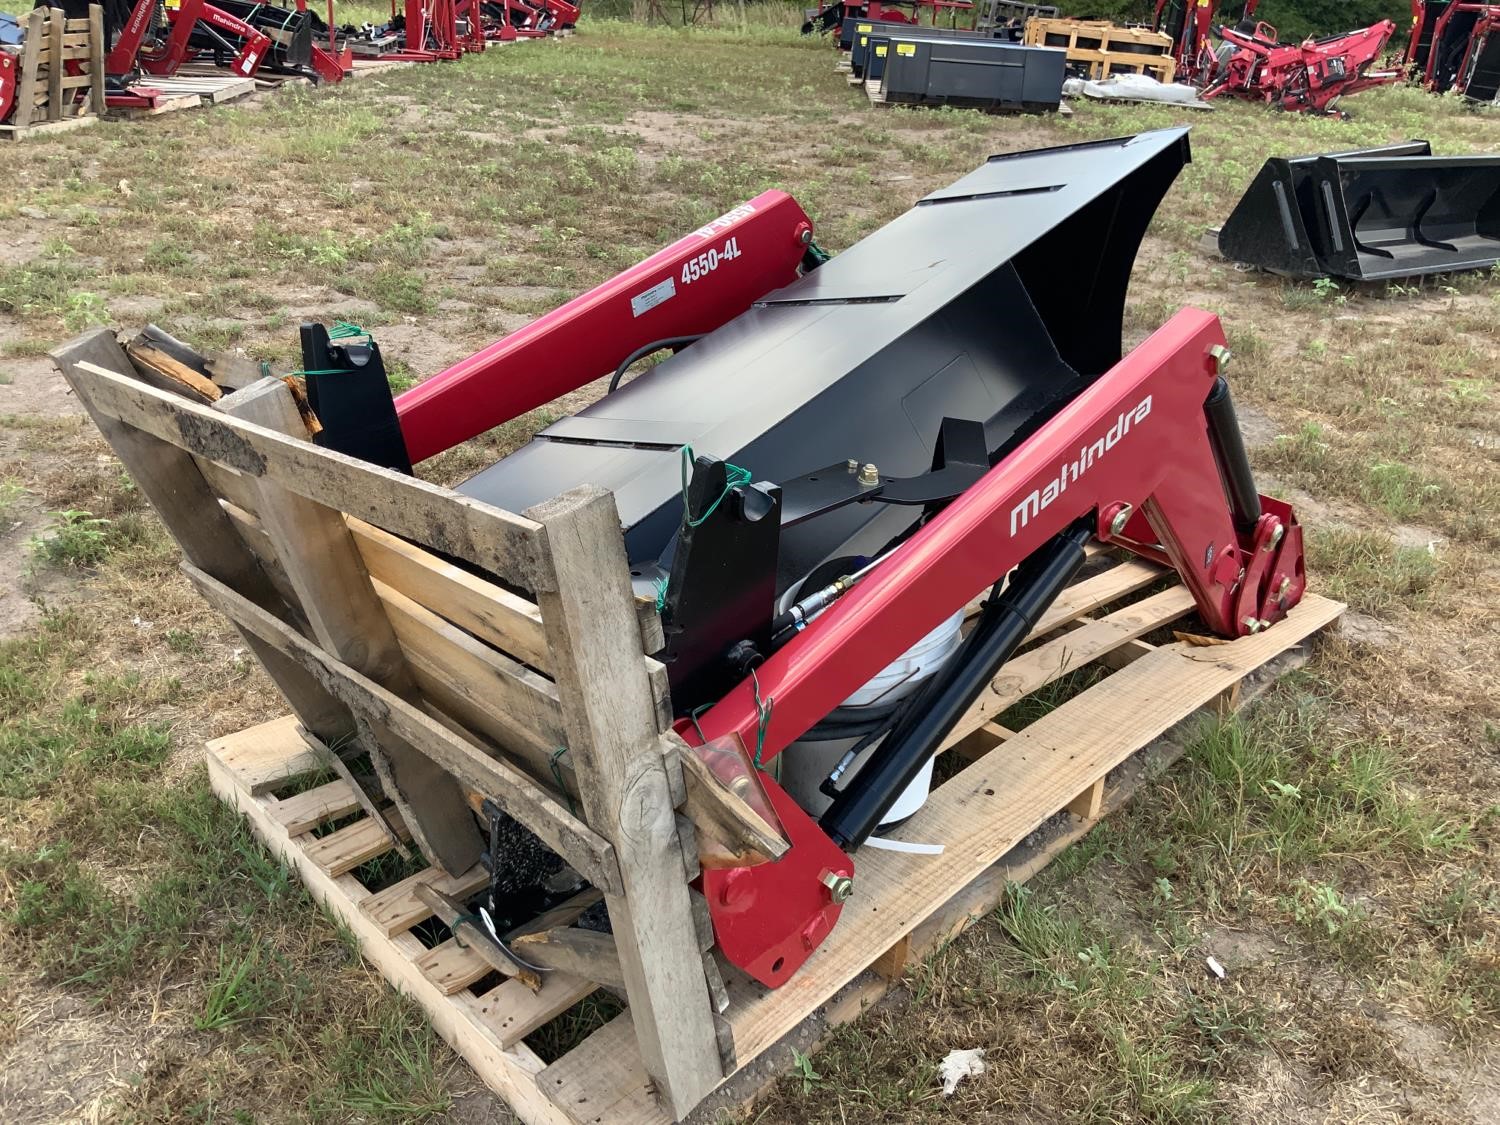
<point>957,309</point>
<point>1479,78</point>
<point>1371,214</point>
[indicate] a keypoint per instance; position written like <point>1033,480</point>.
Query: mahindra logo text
<point>1042,498</point>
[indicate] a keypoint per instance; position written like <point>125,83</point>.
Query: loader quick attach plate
<point>969,306</point>
<point>1371,214</point>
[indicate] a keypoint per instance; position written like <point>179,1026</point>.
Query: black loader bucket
<point>959,309</point>
<point>1479,80</point>
<point>1376,213</point>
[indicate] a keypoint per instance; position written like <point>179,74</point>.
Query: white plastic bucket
<point>804,765</point>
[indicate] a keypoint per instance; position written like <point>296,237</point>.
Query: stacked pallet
<point>1104,49</point>
<point>59,81</point>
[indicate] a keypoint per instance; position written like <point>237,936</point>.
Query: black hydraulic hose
<point>1003,625</point>
<point>676,343</point>
<point>853,722</point>
<point>1228,444</point>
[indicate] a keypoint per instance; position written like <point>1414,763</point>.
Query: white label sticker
<point>643,303</point>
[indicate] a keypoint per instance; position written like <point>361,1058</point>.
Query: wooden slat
<point>511,1011</point>
<point>486,690</point>
<point>96,58</point>
<point>492,613</point>
<point>584,953</point>
<point>169,479</point>
<point>497,541</point>
<point>452,967</point>
<point>591,856</point>
<point>397,908</point>
<point>318,555</point>
<point>26,68</point>
<point>311,808</point>
<point>609,718</point>
<point>1039,666</point>
<point>354,844</point>
<point>55,33</point>
<point>258,759</point>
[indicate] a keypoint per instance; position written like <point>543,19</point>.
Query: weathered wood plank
<point>497,541</point>
<point>398,908</point>
<point>511,1011</point>
<point>344,850</point>
<point>312,807</point>
<point>492,613</point>
<point>591,856</point>
<point>482,688</point>
<point>609,718</point>
<point>318,555</point>
<point>170,480</point>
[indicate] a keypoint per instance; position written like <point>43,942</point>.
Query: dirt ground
<point>1371,408</point>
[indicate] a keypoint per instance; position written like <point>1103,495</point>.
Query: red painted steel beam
<point>694,286</point>
<point>1137,436</point>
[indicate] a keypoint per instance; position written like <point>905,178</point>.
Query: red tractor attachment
<point>1190,23</point>
<point>8,71</point>
<point>1456,45</point>
<point>1309,76</point>
<point>843,454</point>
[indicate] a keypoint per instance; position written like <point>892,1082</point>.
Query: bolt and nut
<point>840,887</point>
<point>868,474</point>
<point>1121,518</point>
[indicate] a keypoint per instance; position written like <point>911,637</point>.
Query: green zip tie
<point>762,720</point>
<point>734,476</point>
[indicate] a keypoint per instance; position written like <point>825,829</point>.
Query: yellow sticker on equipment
<point>864,27</point>
<point>880,52</point>
<point>864,40</point>
<point>906,48</point>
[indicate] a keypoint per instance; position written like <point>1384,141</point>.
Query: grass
<point>1333,848</point>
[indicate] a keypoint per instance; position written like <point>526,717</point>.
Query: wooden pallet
<point>1087,757</point>
<point>60,72</point>
<point>165,103</point>
<point>1104,48</point>
<point>210,89</point>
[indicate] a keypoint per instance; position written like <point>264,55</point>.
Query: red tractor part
<point>675,293</point>
<point>130,53</point>
<point>8,73</point>
<point>1450,45</point>
<point>1002,446</point>
<point>1310,76</point>
<point>1190,23</point>
<point>832,16</point>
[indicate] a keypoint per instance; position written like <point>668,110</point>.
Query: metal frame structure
<point>1176,490</point>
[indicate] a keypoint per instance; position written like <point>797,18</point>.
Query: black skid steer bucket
<point>1368,215</point>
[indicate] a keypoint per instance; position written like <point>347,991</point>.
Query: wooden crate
<point>46,94</point>
<point>1104,48</point>
<point>330,567</point>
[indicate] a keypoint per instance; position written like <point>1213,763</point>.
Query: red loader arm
<point>692,287</point>
<point>1104,457</point>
